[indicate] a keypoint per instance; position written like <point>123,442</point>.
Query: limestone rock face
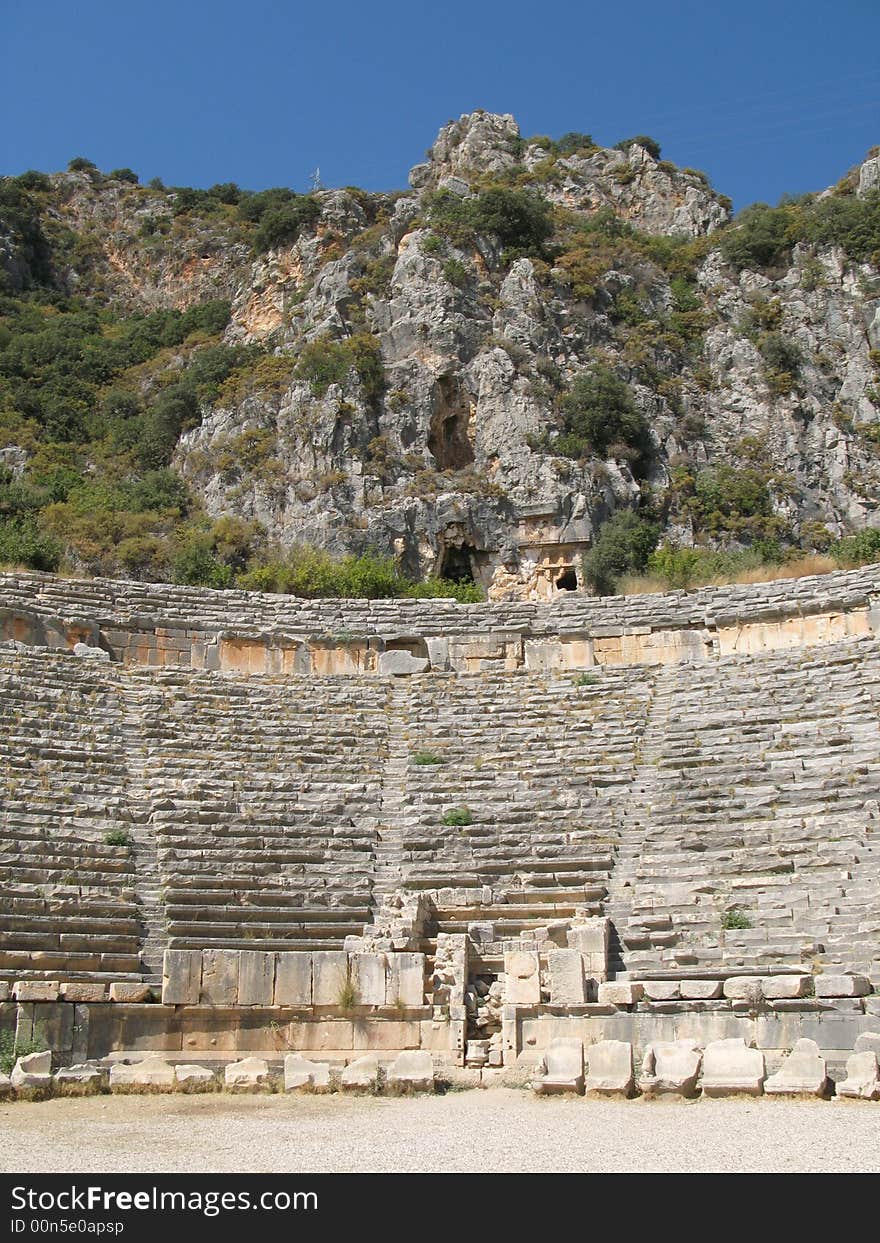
<point>450,462</point>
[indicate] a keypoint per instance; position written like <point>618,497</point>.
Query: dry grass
<point>804,567</point>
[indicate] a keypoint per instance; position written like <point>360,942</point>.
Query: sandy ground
<point>496,1130</point>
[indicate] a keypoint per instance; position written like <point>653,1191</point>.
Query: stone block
<point>151,1072</point>
<point>522,979</point>
<point>731,1068</point>
<point>86,1075</point>
<point>32,1071</point>
<point>438,654</point>
<point>399,663</point>
<point>4,990</point>
<point>412,1071</point>
<point>561,1068</point>
<point>744,988</point>
<point>368,978</point>
<point>361,1075</point>
<point>190,1076</point>
<point>249,1074</point>
<point>620,994</point>
<point>841,985</point>
<point>181,977</point>
<point>293,978</point>
<point>700,990</point>
<point>301,1074</point>
<point>130,991</point>
<point>405,981</point>
<point>671,1068</point>
<point>661,990</point>
<point>330,971</point>
<point>862,1080</point>
<point>5,1085</point>
<point>868,1042</point>
<point>591,936</point>
<point>82,991</point>
<point>803,1073</point>
<point>610,1068</point>
<point>36,990</point>
<point>220,971</point>
<point>786,987</point>
<point>256,979</point>
<point>568,985</point>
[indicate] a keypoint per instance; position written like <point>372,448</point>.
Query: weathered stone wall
<point>252,633</point>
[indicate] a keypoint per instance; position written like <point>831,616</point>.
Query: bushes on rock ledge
<point>623,546</point>
<point>314,574</point>
<point>601,419</point>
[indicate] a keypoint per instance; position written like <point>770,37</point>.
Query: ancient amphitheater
<point>238,828</point>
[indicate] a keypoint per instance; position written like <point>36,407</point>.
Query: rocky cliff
<point>475,374</point>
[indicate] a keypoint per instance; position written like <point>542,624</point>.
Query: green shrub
<point>327,361</point>
<point>282,224</point>
<point>22,543</point>
<point>118,837</point>
<point>622,546</point>
<point>425,758</point>
<point>598,413</point>
<point>79,164</point>
<point>846,221</point>
<point>760,237</point>
<point>124,174</point>
<point>678,567</point>
<point>445,589</point>
<point>12,1048</point>
<point>457,817</point>
<point>572,142</point>
<point>587,679</point>
<point>735,919</point>
<point>641,140</point>
<point>518,219</point>
<point>33,180</point>
<point>862,548</point>
<point>197,565</point>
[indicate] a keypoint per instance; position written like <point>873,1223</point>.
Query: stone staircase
<point>537,764</point>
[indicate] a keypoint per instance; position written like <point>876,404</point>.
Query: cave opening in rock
<point>457,564</point>
<point>567,580</point>
<point>448,439</point>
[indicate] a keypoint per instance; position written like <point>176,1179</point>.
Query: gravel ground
<point>497,1130</point>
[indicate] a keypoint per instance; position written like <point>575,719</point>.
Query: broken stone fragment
<point>803,1073</point>
<point>862,1080</point>
<point>300,1073</point>
<point>152,1071</point>
<point>610,1068</point>
<point>561,1068</point>
<point>32,1071</point>
<point>731,1068</point>
<point>671,1068</point>
<point>361,1075</point>
<point>249,1074</point>
<point>412,1071</point>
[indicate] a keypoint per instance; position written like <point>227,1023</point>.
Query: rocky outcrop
<point>451,461</point>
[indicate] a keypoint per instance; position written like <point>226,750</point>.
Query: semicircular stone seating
<point>722,812</point>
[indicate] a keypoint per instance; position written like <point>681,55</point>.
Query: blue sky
<point>767,98</point>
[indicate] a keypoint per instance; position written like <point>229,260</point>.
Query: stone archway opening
<point>567,580</point>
